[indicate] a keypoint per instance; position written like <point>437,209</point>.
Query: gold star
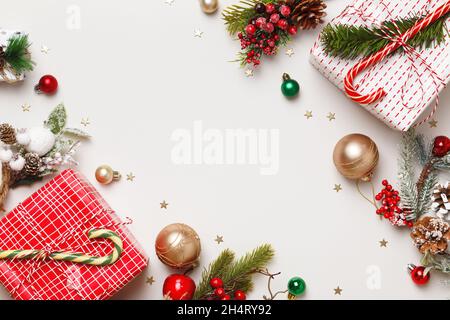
<point>198,33</point>
<point>337,291</point>
<point>150,280</point>
<point>219,239</point>
<point>45,49</point>
<point>308,114</point>
<point>433,123</point>
<point>130,177</point>
<point>85,122</point>
<point>290,52</point>
<point>383,243</point>
<point>26,107</point>
<point>331,116</point>
<point>164,204</point>
<point>249,73</point>
<point>337,187</point>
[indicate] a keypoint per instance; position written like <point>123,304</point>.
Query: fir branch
<point>235,275</point>
<point>17,55</point>
<point>350,41</point>
<point>437,262</point>
<point>424,199</point>
<point>237,16</point>
<point>423,150</point>
<point>216,269</point>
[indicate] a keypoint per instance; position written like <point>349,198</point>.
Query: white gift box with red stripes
<point>412,82</point>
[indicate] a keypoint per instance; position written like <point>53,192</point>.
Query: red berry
<point>409,224</point>
<point>276,37</point>
<point>386,215</point>
<point>274,18</point>
<point>260,22</point>
<point>216,283</point>
<point>250,29</point>
<point>384,182</point>
<point>226,297</point>
<point>389,187</point>
<point>292,30</point>
<point>282,24</point>
<point>271,43</point>
<point>47,84</point>
<point>270,7</point>
<point>269,27</point>
<point>239,295</point>
<point>285,10</point>
<point>378,197</point>
<point>240,36</point>
<point>219,292</point>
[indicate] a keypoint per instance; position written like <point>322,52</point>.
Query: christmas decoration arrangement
<point>69,228</point>
<point>29,154</point>
<point>15,57</point>
<point>421,203</point>
<point>397,48</point>
<point>262,26</point>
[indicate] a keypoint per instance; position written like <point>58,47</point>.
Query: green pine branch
<point>436,262</point>
<point>16,54</point>
<point>350,41</point>
<point>237,16</point>
<point>235,275</point>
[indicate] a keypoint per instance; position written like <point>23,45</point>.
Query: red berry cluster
<point>390,209</point>
<point>263,33</point>
<point>221,294</point>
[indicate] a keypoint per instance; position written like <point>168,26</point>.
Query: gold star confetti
<point>198,33</point>
<point>26,107</point>
<point>337,291</point>
<point>164,204</point>
<point>45,49</point>
<point>249,73</point>
<point>150,280</point>
<point>130,177</point>
<point>169,2</point>
<point>383,243</point>
<point>331,116</point>
<point>219,239</point>
<point>290,52</point>
<point>85,122</point>
<point>308,114</point>
<point>433,123</point>
<point>337,187</point>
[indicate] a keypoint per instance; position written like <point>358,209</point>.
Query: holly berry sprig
<point>265,25</point>
<point>221,294</point>
<point>390,209</point>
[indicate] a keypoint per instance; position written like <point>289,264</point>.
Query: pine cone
<point>441,202</point>
<point>431,235</point>
<point>7,133</point>
<point>307,14</point>
<point>32,164</point>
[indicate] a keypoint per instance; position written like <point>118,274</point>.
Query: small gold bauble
<point>105,174</point>
<point>209,6</point>
<point>356,156</point>
<point>178,246</point>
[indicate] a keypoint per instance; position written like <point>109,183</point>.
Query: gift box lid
<point>57,218</point>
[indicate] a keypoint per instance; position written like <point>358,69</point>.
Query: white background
<point>135,69</point>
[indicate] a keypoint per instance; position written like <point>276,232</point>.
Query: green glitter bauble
<point>296,286</point>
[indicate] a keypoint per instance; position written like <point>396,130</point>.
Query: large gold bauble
<point>356,156</point>
<point>209,6</point>
<point>178,246</point>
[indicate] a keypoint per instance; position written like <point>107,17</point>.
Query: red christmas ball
<point>250,29</point>
<point>179,287</point>
<point>282,24</point>
<point>418,275</point>
<point>239,295</point>
<point>47,84</point>
<point>441,146</point>
<point>216,283</point>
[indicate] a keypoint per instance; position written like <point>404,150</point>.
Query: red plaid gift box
<point>57,218</point>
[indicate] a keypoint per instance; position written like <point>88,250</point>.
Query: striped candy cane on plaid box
<point>410,81</point>
<point>58,218</point>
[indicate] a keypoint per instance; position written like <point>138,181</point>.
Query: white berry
<point>17,164</point>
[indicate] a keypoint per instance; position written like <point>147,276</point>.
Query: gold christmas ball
<point>209,6</point>
<point>105,174</point>
<point>356,156</point>
<point>178,246</point>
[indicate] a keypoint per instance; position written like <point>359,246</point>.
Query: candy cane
<point>73,256</point>
<point>375,58</point>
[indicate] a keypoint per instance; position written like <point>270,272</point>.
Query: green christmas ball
<point>289,87</point>
<point>296,286</point>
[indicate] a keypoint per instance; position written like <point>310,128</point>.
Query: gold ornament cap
<point>356,156</point>
<point>105,174</point>
<point>178,246</point>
